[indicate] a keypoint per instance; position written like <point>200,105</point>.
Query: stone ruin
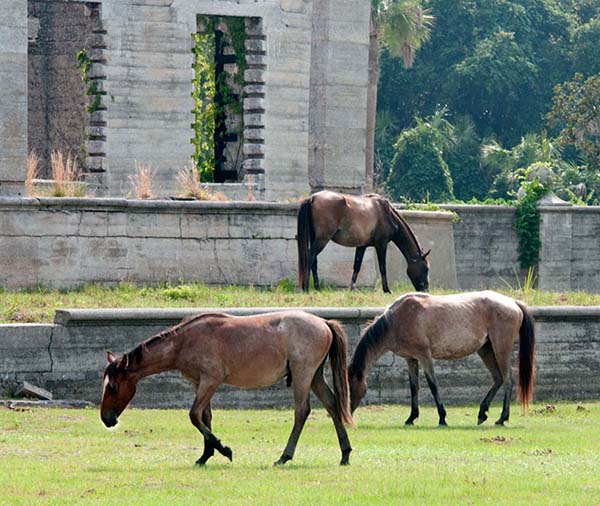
<point>301,114</point>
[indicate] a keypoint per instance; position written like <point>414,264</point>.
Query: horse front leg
<point>433,386</point>
<point>358,258</point>
<point>413,379</point>
<point>381,256</point>
<point>199,415</point>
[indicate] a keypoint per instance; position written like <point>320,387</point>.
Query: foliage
<point>496,62</point>
<point>84,64</point>
<point>527,222</point>
<point>418,171</point>
<point>208,112</point>
<point>576,113</point>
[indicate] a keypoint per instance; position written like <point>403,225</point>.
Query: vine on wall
<point>207,112</point>
<point>84,64</point>
<point>528,222</point>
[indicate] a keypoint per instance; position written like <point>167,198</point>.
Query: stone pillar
<point>338,95</point>
<point>13,97</point>
<point>556,236</point>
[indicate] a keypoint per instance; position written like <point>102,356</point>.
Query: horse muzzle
<point>109,420</point>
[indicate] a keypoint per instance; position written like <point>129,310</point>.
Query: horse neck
<point>370,349</point>
<point>157,354</point>
<point>404,238</point>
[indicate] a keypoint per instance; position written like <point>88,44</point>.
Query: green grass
<point>38,305</point>
<point>61,457</point>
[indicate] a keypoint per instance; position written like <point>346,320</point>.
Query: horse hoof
<point>345,462</point>
<point>409,422</point>
<point>443,423</point>
<point>345,457</point>
<point>282,460</point>
<point>500,422</point>
<point>200,462</point>
<point>228,453</point>
<point>481,419</point>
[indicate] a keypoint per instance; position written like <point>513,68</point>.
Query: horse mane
<point>395,215</point>
<point>135,355</point>
<point>368,341</point>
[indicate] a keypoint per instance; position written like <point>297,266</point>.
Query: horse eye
<point>113,388</point>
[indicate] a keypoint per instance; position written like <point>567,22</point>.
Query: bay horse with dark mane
<point>420,327</point>
<point>356,222</point>
<point>248,352</point>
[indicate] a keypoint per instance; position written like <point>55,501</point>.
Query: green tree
<point>402,26</point>
<point>576,114</point>
<point>418,171</point>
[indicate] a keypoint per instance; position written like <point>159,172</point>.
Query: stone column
<point>13,97</point>
<point>556,235</point>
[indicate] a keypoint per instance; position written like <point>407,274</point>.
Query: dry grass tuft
<point>141,181</point>
<point>33,163</point>
<point>65,174</point>
<point>190,186</point>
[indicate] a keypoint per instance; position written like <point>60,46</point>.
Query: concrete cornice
<point>83,317</point>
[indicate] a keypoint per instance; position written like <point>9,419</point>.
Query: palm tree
<point>402,26</point>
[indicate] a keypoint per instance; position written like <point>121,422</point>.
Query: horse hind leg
<point>325,395</point>
<point>502,345</point>
<point>301,412</point>
<point>358,259</point>
<point>486,353</point>
<point>209,449</point>
<point>413,378</point>
<point>316,248</point>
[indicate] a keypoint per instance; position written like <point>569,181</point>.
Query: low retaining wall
<point>70,242</point>
<point>68,358</point>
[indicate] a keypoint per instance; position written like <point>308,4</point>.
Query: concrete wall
<point>70,242</point>
<point>68,358</point>
<point>13,96</point>
<point>486,246</point>
<point>57,118</point>
<point>141,54</point>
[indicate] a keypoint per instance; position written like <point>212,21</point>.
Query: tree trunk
<point>371,105</point>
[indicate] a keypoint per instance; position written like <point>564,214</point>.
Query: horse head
<point>418,271</point>
<point>119,389</point>
<point>358,388</point>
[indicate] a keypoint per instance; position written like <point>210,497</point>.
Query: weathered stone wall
<point>570,255</point>
<point>486,246</point>
<point>68,359</point>
<point>13,96</point>
<point>70,242</point>
<point>57,117</point>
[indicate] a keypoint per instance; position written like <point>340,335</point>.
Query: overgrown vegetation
<point>141,181</point>
<point>38,305</point>
<point>495,69</point>
<point>66,177</point>
<point>84,64</point>
<point>191,186</point>
<point>545,457</point>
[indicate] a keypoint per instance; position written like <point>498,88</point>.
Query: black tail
<point>338,357</point>
<point>304,242</point>
<point>526,357</point>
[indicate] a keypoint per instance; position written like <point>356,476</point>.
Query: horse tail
<point>304,238</point>
<point>338,357</point>
<point>526,357</point>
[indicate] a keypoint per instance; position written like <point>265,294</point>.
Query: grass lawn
<point>549,456</point>
<point>38,305</point>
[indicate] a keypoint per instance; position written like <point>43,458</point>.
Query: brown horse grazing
<point>248,352</point>
<point>357,222</point>
<point>421,327</point>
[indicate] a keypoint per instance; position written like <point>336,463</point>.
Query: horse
<point>420,327</point>
<point>249,352</point>
<point>356,222</point>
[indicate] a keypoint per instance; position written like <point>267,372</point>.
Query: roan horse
<point>248,352</point>
<point>420,327</point>
<point>357,222</point>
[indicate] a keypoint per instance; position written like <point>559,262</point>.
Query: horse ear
<point>427,253</point>
<point>110,357</point>
<point>125,361</point>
